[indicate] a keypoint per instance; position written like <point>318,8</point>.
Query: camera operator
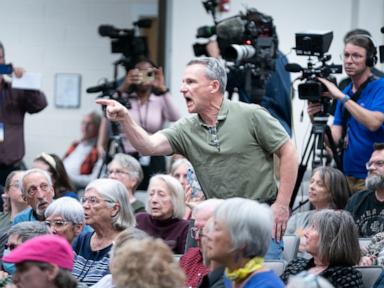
<point>359,115</point>
<point>14,103</point>
<point>151,106</point>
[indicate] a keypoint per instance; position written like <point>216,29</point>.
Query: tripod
<point>114,145</point>
<point>315,144</point>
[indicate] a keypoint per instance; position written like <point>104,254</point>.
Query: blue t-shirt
<point>24,216</point>
<point>267,279</point>
<point>360,139</point>
<point>90,266</point>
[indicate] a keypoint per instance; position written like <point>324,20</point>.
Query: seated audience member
<point>81,160</point>
<point>367,206</point>
<point>60,179</point>
<point>215,277</point>
<point>332,241</point>
<point>151,264</point>
<point>17,235</point>
<point>131,233</point>
<point>108,212</point>
<point>165,209</point>
<point>308,280</point>
<point>13,203</point>
<point>193,195</point>
<point>37,190</point>
<point>128,171</point>
<point>43,262</point>
<point>239,241</point>
<point>192,261</point>
<point>65,217</point>
<point>328,189</point>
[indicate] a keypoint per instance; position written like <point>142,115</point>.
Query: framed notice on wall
<point>67,90</point>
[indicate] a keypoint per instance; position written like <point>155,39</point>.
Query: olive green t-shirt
<point>236,160</point>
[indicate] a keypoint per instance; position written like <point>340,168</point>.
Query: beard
<point>374,182</point>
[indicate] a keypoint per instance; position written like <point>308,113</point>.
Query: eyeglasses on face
<point>93,200</point>
<point>117,172</point>
<point>56,223</point>
<point>378,164</point>
<point>10,246</point>
<point>33,189</point>
<point>354,57</point>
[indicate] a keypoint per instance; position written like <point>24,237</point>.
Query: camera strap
<point>346,114</point>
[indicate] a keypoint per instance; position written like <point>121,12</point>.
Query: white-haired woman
<point>239,241</point>
<point>165,210</point>
<point>65,217</point>
<point>108,212</point>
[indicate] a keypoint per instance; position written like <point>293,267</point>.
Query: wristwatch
<point>345,99</point>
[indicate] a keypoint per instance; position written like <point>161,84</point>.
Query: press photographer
<point>249,44</point>
<point>359,115</point>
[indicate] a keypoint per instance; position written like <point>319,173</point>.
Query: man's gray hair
<point>249,224</point>
<point>209,205</point>
<point>33,171</point>
<point>176,192</point>
<point>132,166</point>
<point>214,70</point>
<point>28,230</point>
<point>114,191</point>
<point>69,208</point>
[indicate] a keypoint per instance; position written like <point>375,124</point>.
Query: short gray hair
<point>338,244</point>
<point>33,171</point>
<point>249,224</point>
<point>68,208</point>
<point>115,192</point>
<point>214,70</point>
<point>177,163</point>
<point>206,205</point>
<point>28,230</point>
<point>132,165</point>
<point>176,192</point>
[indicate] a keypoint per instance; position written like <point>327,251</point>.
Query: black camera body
<point>314,44</point>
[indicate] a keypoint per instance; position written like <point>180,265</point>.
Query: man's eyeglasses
<point>354,56</point>
<point>56,223</point>
<point>10,246</point>
<point>117,172</point>
<point>33,189</point>
<point>378,163</point>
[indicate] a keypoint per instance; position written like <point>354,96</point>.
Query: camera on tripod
<point>314,44</point>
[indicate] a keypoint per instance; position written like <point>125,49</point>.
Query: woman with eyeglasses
<point>108,212</point>
<point>128,171</point>
<point>332,242</point>
<point>52,163</point>
<point>165,210</point>
<point>65,217</point>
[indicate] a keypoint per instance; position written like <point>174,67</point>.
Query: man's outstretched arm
<point>156,144</point>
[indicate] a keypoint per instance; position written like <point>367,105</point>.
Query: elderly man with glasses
<point>37,191</point>
<point>367,206</point>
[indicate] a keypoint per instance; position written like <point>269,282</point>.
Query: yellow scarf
<point>242,273</point>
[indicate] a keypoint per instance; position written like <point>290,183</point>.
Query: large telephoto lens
<point>239,52</point>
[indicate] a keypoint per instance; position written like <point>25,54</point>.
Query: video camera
<point>314,44</point>
<point>126,42</point>
<point>249,42</point>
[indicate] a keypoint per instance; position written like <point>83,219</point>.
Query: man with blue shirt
<point>359,115</point>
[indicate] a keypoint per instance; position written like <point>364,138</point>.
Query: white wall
<point>58,36</point>
<point>289,17</point>
<point>61,36</point>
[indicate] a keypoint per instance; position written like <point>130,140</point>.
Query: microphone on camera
<point>382,30</point>
<point>231,28</point>
<point>293,67</point>
<point>102,87</point>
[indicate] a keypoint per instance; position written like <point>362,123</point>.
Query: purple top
<point>152,115</point>
<point>173,231</point>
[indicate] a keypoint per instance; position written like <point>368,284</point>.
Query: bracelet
<point>345,99</point>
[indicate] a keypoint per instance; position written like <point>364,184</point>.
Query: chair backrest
<point>370,274</point>
<point>277,266</point>
<point>291,246</point>
<point>364,242</point>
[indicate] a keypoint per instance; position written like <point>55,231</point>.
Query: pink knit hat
<point>50,249</point>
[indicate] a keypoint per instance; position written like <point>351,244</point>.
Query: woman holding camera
<point>151,106</point>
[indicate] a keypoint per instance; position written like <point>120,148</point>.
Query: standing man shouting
<point>230,144</point>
